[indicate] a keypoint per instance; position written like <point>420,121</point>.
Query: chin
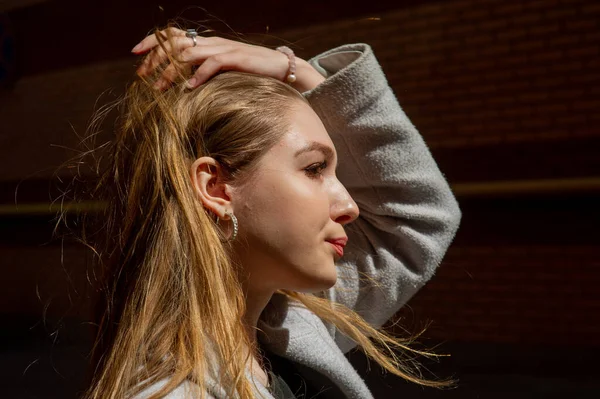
<point>320,283</point>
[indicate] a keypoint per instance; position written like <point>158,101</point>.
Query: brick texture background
<point>476,77</point>
<point>501,90</point>
<point>521,294</point>
<point>475,72</point>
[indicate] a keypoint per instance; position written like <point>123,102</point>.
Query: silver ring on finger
<point>192,34</point>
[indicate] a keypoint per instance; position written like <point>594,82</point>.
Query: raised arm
<point>408,214</point>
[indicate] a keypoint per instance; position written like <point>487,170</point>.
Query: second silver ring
<point>192,34</point>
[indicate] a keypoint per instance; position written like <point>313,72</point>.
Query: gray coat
<point>408,218</point>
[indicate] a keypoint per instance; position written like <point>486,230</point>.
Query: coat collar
<point>290,330</point>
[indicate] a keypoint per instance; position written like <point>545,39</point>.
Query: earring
<point>235,224</point>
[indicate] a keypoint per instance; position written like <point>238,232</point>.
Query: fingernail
<point>136,48</point>
<point>191,83</point>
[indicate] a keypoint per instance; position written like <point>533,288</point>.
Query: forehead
<point>305,128</point>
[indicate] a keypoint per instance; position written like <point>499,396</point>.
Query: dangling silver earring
<point>235,225</point>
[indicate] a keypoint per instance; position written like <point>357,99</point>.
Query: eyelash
<point>316,169</point>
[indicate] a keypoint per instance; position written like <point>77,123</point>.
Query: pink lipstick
<point>338,244</point>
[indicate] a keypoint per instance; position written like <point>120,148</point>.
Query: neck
<point>257,297</point>
<point>256,301</point>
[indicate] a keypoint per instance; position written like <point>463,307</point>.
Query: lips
<point>338,244</point>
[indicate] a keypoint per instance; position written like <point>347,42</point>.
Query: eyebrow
<point>316,146</point>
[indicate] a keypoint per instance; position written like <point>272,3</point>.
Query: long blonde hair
<point>172,294</point>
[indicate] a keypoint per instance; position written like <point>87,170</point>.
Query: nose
<point>343,209</point>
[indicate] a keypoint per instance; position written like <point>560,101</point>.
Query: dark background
<point>506,93</point>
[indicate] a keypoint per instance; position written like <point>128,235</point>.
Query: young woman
<point>258,230</point>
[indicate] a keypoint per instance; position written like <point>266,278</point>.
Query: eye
<point>316,169</point>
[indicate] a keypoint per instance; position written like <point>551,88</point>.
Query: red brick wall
<point>473,76</point>
<point>524,294</point>
<point>484,71</point>
<point>467,72</point>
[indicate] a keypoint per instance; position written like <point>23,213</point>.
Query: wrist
<point>307,77</point>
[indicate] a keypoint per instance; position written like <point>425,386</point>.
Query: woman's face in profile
<point>291,207</point>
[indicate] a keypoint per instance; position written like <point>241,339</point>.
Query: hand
<point>214,54</point>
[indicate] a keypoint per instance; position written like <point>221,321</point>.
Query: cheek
<point>283,207</point>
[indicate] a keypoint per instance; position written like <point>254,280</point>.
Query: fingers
<point>170,74</point>
<point>214,64</point>
<point>183,50</point>
<point>197,55</point>
<point>150,41</point>
<point>158,55</point>
<point>212,54</point>
<point>190,56</point>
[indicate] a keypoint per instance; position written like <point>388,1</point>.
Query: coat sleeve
<point>408,214</point>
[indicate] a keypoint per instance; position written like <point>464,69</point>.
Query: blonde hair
<point>172,294</point>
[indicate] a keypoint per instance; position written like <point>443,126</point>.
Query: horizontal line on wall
<point>461,190</point>
<point>493,140</point>
<point>44,208</point>
<point>527,187</point>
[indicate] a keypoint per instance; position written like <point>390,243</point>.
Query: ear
<point>210,187</point>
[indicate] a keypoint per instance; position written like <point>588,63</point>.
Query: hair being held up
<point>173,301</point>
